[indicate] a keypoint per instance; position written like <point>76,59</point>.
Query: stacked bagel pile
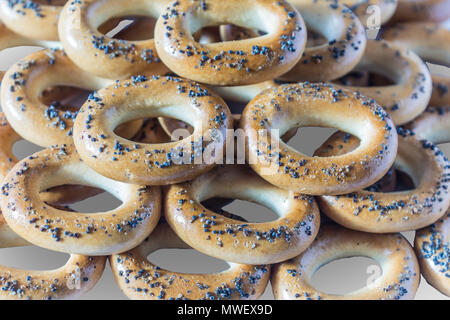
<point>233,79</point>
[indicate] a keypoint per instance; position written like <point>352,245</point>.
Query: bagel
<point>32,19</point>
<point>76,277</point>
<point>430,41</point>
<point>379,212</point>
<point>55,196</point>
<point>432,248</point>
<point>305,104</point>
<point>410,94</point>
<point>291,280</point>
<point>101,233</point>
<point>139,278</point>
<point>434,123</point>
<point>231,239</point>
<point>345,41</point>
<point>230,63</point>
<point>24,83</point>
<point>152,164</point>
<point>99,54</point>
<point>422,10</point>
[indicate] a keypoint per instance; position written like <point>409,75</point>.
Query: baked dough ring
<point>23,86</point>
<point>321,105</point>
<point>75,278</point>
<point>430,41</point>
<point>344,46</point>
<point>140,279</point>
<point>101,233</point>
<point>97,53</point>
<point>410,94</point>
<point>432,245</point>
<point>434,123</point>
<point>32,19</point>
<point>422,10</point>
<point>237,62</point>
<point>56,196</point>
<point>152,164</point>
<point>291,280</point>
<point>395,211</point>
<point>231,239</point>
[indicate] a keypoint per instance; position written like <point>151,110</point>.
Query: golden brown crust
<point>234,240</point>
<point>234,62</point>
<point>434,123</point>
<point>422,10</point>
<point>76,277</point>
<point>432,245</point>
<point>400,271</point>
<point>430,41</point>
<point>410,94</point>
<point>100,233</point>
<point>380,212</point>
<point>322,105</point>
<point>153,164</point>
<point>97,53</point>
<point>139,278</point>
<point>344,47</point>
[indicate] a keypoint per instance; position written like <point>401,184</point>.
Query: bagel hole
<point>193,261</point>
<point>345,275</point>
<point>303,142</point>
<point>136,28</point>
<point>403,182</point>
<point>362,78</point>
<point>245,211</point>
<point>162,126</point>
<point>101,202</point>
<point>315,39</point>
<point>64,98</point>
<point>32,258</point>
<point>231,32</point>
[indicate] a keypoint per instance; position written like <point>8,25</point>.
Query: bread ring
<point>410,94</point>
<point>434,123</point>
<point>152,164</point>
<point>430,41</point>
<point>75,278</point>
<point>23,85</point>
<point>396,211</point>
<point>305,104</point>
<point>55,196</point>
<point>291,280</point>
<point>139,278</point>
<point>230,63</point>
<point>233,240</point>
<point>32,19</point>
<point>386,8</point>
<point>422,10</point>
<point>101,233</point>
<point>99,54</point>
<point>346,41</point>
<point>432,248</point>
